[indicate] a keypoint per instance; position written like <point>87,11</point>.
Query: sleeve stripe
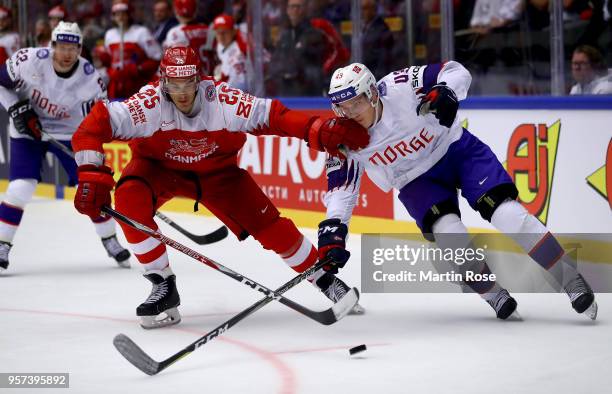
<point>430,75</point>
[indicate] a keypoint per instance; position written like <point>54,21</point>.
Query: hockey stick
<point>204,239</point>
<point>135,355</point>
<point>326,317</point>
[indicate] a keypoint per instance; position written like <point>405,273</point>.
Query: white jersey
<point>60,103</point>
<point>233,65</point>
<point>9,44</point>
<point>602,85</point>
<point>486,10</point>
<point>403,145</point>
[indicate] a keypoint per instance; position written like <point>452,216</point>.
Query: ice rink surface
<point>63,300</point>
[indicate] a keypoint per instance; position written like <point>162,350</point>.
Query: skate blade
<point>357,310</point>
<point>515,316</point>
<point>124,263</point>
<point>166,318</point>
<point>591,311</point>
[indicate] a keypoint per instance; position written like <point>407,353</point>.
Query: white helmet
<point>349,82</point>
<point>67,32</point>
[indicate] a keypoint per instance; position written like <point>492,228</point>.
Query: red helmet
<point>121,6</point>
<point>223,21</point>
<point>185,8</point>
<point>5,12</point>
<point>57,12</point>
<point>179,62</point>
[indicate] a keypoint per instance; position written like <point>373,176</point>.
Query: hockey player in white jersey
<point>418,146</point>
<point>47,93</point>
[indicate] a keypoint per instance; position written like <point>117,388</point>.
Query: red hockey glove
<point>93,191</point>
<point>330,133</point>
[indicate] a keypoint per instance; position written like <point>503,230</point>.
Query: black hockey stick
<point>326,317</point>
<point>204,239</point>
<point>135,355</point>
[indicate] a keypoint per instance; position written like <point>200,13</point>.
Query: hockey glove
<point>25,119</point>
<point>442,102</point>
<point>332,244</point>
<point>330,133</point>
<point>93,191</point>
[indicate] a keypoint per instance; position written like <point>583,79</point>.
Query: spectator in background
<point>231,51</point>
<point>164,20</point>
<point>336,54</point>
<point>9,39</point>
<point>297,62</point>
<point>42,33</point>
<point>135,54</point>
<point>57,14</point>
<point>494,14</point>
<point>239,12</point>
<point>377,41</point>
<point>590,72</point>
<point>101,60</point>
<point>193,34</point>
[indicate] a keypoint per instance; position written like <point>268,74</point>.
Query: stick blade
<point>213,237</point>
<point>135,355</point>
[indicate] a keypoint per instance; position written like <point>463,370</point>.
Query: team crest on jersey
<point>42,53</point>
<point>200,147</point>
<point>382,89</point>
<point>88,68</point>
<point>210,93</point>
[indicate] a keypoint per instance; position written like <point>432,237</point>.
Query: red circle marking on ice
<point>288,377</point>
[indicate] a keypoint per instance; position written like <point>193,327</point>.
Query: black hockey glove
<point>25,119</point>
<point>332,244</point>
<point>442,102</point>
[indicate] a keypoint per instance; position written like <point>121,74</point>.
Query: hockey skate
<point>334,289</point>
<point>5,248</point>
<point>116,251</point>
<point>504,305</point>
<point>581,296</point>
<point>160,308</point>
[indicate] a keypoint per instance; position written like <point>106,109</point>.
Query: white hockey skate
<point>116,251</point>
<point>334,289</point>
<point>160,309</point>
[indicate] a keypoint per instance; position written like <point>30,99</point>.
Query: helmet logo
<point>181,71</point>
<point>357,69</point>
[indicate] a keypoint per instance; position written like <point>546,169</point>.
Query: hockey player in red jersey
<point>185,134</point>
<point>134,53</point>
<point>9,39</point>
<point>193,34</point>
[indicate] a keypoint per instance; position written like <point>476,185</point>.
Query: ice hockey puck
<point>357,349</point>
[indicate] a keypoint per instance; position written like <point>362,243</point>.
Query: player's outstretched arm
<point>343,180</point>
<point>260,116</point>
<point>321,133</point>
<point>93,132</point>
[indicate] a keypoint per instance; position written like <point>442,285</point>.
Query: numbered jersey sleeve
<point>10,76</point>
<point>259,116</point>
<point>343,182</point>
<point>133,118</point>
<point>423,78</point>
